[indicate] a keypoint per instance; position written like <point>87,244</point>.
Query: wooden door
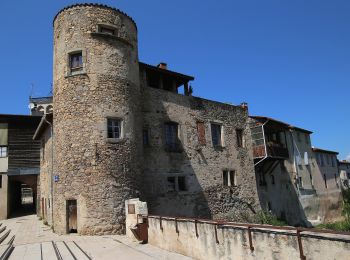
<point>72,216</point>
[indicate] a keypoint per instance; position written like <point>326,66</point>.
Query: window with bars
<point>172,135</point>
<point>3,151</point>
<point>114,127</point>
<point>216,135</point>
<point>76,61</point>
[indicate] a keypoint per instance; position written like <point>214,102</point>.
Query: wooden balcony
<point>274,150</point>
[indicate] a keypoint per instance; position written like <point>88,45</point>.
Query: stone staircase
<point>59,250</point>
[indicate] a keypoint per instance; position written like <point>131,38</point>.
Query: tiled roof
<point>94,5</point>
<point>282,123</point>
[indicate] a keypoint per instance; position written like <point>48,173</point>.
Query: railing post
<point>300,245</point>
<point>216,234</point>
<point>196,228</point>
<point>250,238</point>
<point>160,223</point>
<point>176,228</point>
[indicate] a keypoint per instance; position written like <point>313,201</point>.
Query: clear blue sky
<point>288,59</point>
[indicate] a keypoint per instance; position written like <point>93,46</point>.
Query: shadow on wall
<point>183,177</point>
<point>278,195</point>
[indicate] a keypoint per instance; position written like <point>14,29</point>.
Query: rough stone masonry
<point>122,130</point>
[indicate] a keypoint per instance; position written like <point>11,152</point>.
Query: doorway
<point>72,216</point>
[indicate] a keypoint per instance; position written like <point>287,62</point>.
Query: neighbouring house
<point>344,173</point>
<point>40,105</point>
<point>19,165</point>
<point>289,178</point>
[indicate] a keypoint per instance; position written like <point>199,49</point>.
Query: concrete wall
<point>45,202</point>
<point>201,164</point>
<point>3,197</point>
<point>4,164</point>
<point>234,244</point>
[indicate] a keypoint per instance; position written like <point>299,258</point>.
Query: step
<point>64,251</point>
<point>5,234</point>
<point>48,251</point>
<point>2,229</point>
<point>9,239</point>
<point>5,251</point>
<point>29,251</point>
<point>77,251</point>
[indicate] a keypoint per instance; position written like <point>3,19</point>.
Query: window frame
<point>81,70</point>
<point>240,138</point>
<point>173,145</point>
<point>227,176</point>
<point>121,129</point>
<point>176,184</point>
<point>220,139</point>
<point>110,27</point>
<point>4,152</point>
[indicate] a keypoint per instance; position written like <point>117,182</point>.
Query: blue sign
<point>56,178</point>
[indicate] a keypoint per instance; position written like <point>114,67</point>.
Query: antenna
<point>31,90</point>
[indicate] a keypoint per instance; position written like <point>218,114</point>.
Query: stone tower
<point>96,119</point>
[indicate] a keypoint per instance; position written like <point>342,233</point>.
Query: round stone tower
<point>97,123</point>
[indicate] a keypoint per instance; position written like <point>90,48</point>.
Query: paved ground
<point>31,239</point>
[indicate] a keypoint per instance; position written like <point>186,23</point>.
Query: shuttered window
<point>201,133</point>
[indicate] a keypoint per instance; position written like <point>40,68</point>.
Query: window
<point>76,61</point>
<point>328,161</point>
<point>176,183</point>
<point>321,159</point>
<point>239,135</point>
<point>307,140</point>
<point>325,180</point>
<point>171,135</point>
<point>306,158</point>
<point>216,134</point>
<point>299,137</point>
<point>201,133</point>
<point>182,183</point>
<point>171,184</point>
<point>0,181</point>
<point>145,136</point>
<point>272,179</point>
<point>229,178</point>
<point>107,29</point>
<point>3,151</point>
<point>114,128</point>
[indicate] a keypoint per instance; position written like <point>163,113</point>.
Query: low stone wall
<point>222,241</point>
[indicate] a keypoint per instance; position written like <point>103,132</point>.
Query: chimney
<point>163,66</point>
<point>244,105</point>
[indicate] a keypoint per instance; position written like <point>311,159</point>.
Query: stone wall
<point>98,173</point>
<point>233,243</point>
<point>202,165</point>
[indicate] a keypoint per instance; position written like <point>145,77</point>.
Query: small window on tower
<point>114,128</point>
<point>76,61</point>
<point>108,29</point>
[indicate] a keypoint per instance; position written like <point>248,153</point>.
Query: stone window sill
<point>110,36</point>
<point>76,73</point>
<point>115,140</point>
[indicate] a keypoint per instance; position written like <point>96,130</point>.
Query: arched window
<point>49,109</point>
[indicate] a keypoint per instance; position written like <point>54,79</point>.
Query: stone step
<point>5,251</point>
<point>48,251</point>
<point>64,251</point>
<point>4,236</point>
<point>2,229</point>
<point>27,252</point>
<point>77,251</point>
<point>9,239</point>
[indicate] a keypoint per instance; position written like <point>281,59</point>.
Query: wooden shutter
<point>3,134</point>
<point>201,133</point>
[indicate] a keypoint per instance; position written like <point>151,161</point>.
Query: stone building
<point>133,133</point>
<point>344,173</point>
<point>19,165</point>
<point>293,182</point>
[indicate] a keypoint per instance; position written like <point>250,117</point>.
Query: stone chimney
<point>163,66</point>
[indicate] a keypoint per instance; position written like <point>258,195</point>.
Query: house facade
<point>134,130</point>
<point>290,175</point>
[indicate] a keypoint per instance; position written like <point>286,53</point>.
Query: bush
<point>267,218</point>
<point>338,226</point>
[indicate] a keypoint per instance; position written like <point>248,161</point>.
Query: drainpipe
<point>294,161</point>
<point>51,177</point>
